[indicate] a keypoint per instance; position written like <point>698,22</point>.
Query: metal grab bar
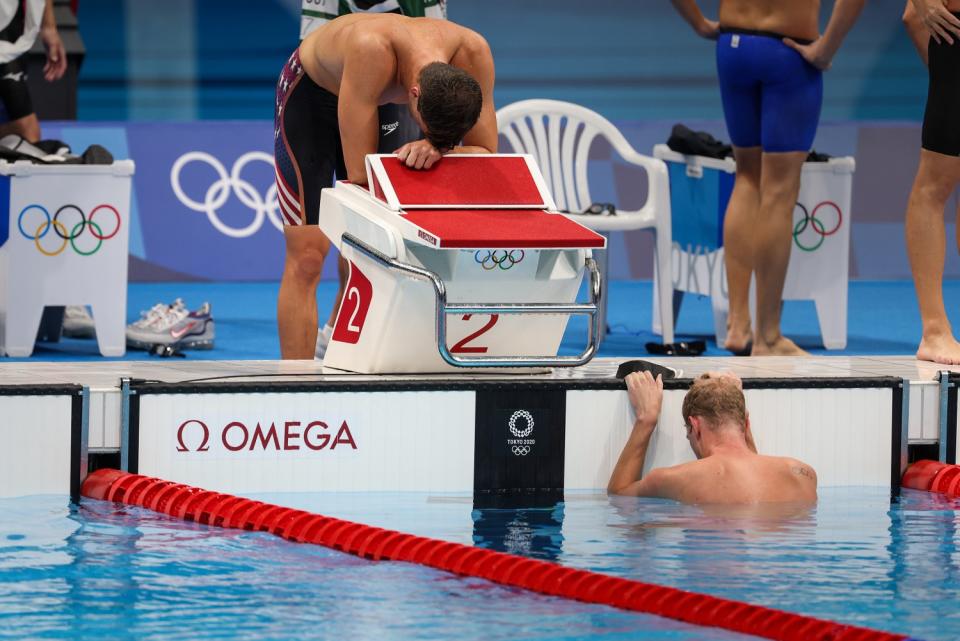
<point>591,310</point>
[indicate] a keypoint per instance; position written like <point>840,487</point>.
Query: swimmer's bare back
<point>737,480</point>
<point>796,18</point>
<point>367,60</point>
<point>381,40</point>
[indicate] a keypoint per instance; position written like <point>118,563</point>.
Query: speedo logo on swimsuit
<point>16,77</point>
<point>389,127</point>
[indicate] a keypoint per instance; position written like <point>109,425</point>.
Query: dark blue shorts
<point>771,95</point>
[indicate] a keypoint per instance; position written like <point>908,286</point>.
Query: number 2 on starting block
<point>354,307</point>
<point>463,347</point>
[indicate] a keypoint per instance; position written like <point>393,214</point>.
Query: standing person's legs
<point>306,151</point>
<point>16,100</point>
<point>307,247</point>
<point>937,177</point>
<point>740,91</point>
<point>738,231</point>
<point>792,97</point>
<point>779,186</point>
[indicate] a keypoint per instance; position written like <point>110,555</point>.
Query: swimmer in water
<point>728,469</point>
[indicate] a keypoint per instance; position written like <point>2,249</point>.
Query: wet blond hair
<point>716,399</point>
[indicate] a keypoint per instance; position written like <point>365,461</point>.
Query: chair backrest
<point>559,135</point>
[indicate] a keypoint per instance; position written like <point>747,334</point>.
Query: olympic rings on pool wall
<point>502,258</point>
<point>69,235</point>
<point>810,220</point>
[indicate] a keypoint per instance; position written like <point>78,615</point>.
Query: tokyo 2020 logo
<point>69,226</point>
<point>522,444</point>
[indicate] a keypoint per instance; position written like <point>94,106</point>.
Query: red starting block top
<point>500,228</point>
<point>495,181</point>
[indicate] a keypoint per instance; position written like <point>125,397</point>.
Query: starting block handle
<point>590,310</point>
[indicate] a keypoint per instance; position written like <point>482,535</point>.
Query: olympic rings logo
<point>817,226</point>
<point>217,194</point>
<point>68,234</point>
<point>498,258</point>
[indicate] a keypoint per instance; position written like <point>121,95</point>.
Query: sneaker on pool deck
<point>155,313</point>
<point>196,330</point>
<point>77,322</point>
<point>181,329</point>
<point>144,333</point>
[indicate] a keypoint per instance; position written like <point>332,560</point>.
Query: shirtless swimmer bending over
<point>326,121</point>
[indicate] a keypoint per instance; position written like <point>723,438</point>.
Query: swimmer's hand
<point>419,154</point>
<point>942,25</point>
<point>646,397</point>
<point>815,53</point>
<point>709,29</point>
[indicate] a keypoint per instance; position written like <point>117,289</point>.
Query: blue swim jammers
<point>771,95</point>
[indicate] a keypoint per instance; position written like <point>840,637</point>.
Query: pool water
<point>114,572</point>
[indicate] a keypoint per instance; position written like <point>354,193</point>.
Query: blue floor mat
<point>883,319</point>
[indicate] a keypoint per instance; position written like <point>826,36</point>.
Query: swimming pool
<point>113,572</point>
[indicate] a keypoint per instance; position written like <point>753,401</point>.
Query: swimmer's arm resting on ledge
<point>358,105</point>
<point>646,397</point>
<point>475,58</point>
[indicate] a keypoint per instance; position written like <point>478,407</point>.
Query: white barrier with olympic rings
<point>68,244</point>
<point>820,244</point>
<point>63,237</point>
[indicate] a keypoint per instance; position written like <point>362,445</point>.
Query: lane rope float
<point>373,543</point>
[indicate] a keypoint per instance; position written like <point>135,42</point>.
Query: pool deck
<point>104,379</point>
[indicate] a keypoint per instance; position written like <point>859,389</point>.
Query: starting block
<point>464,265</point>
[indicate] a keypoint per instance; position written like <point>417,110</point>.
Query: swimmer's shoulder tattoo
<point>803,470</point>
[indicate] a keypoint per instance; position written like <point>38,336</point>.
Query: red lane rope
<point>933,476</point>
<point>213,508</point>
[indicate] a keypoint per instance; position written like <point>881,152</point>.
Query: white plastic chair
<point>559,135</point>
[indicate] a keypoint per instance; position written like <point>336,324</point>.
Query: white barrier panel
<point>490,437</point>
<point>67,243</point>
<point>40,435</point>
<point>332,441</point>
<point>847,435</point>
<point>820,250</point>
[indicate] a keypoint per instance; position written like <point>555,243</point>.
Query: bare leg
<point>27,128</point>
<point>307,247</point>
<point>937,177</point>
<point>738,230</point>
<point>779,187</point>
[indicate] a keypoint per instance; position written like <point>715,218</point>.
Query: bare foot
<point>941,348</point>
<point>783,346</point>
<point>739,339</point>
